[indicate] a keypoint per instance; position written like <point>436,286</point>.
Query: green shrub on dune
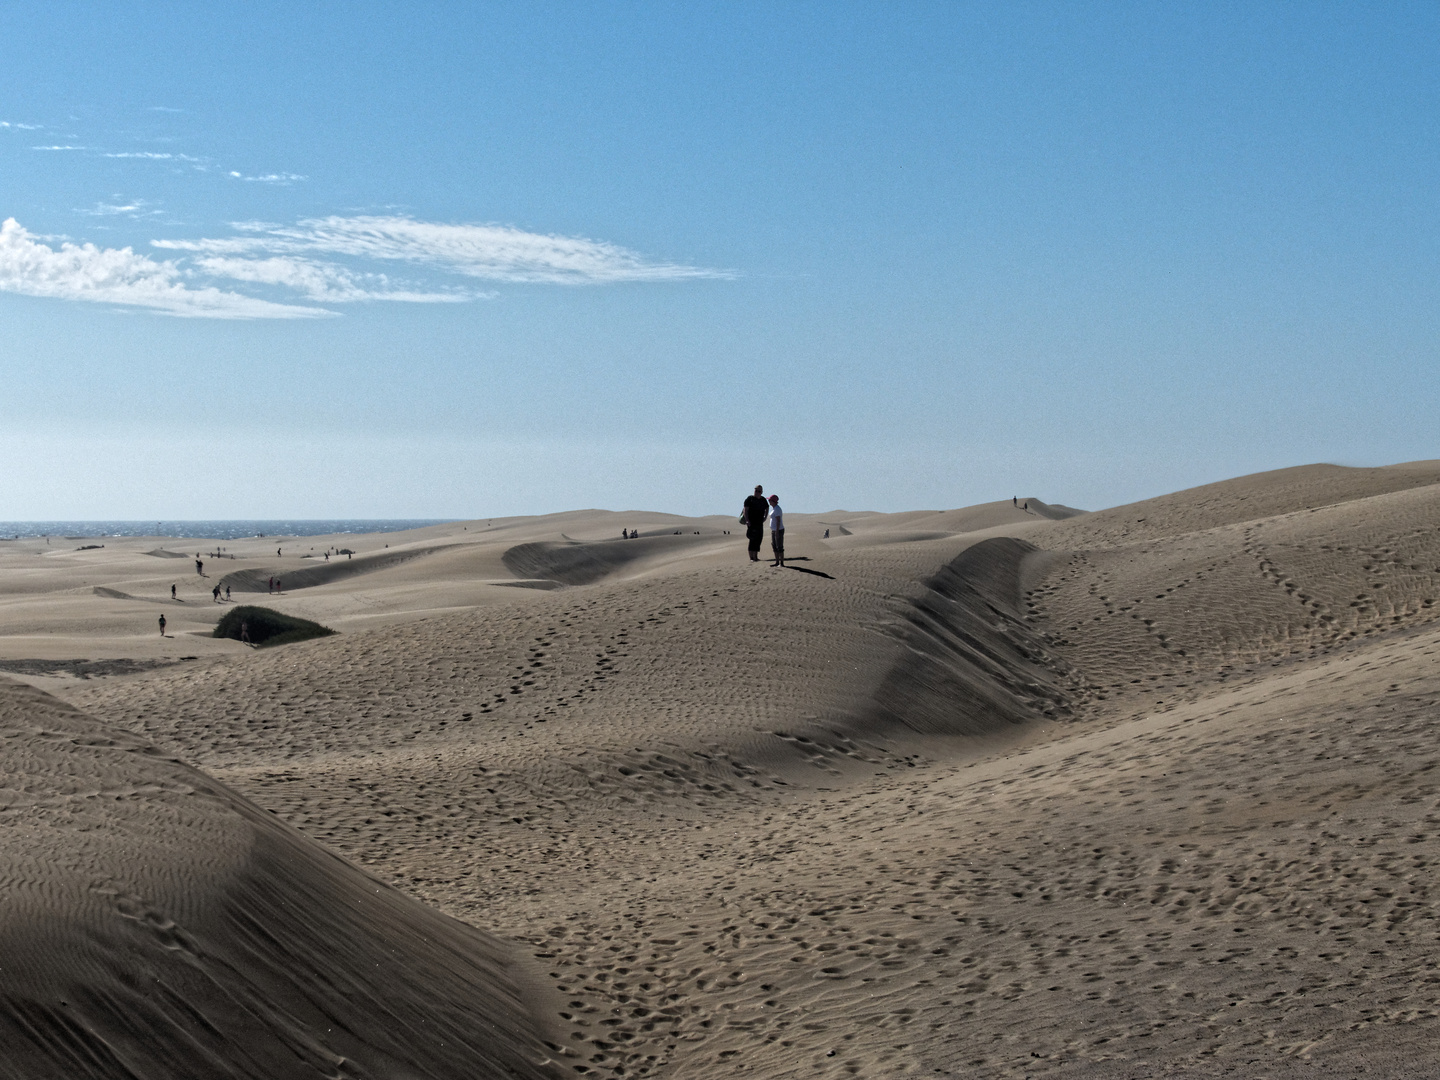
<point>267,627</point>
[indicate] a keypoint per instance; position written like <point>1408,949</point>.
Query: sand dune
<point>158,926</point>
<point>1144,792</point>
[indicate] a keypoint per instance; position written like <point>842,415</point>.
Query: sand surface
<point>981,792</point>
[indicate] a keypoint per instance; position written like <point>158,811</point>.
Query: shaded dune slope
<point>156,925</point>
<point>322,573</point>
<point>971,665</point>
<point>577,563</point>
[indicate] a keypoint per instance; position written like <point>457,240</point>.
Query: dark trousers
<point>777,543</point>
<point>754,533</point>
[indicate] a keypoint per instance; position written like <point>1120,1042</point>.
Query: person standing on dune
<point>753,518</point>
<point>777,530</point>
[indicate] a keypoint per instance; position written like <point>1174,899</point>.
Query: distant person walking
<point>753,518</point>
<point>272,583</point>
<point>244,632</point>
<point>777,530</point>
<point>199,566</point>
<point>162,625</point>
<point>215,592</point>
<point>172,592</point>
<point>227,594</point>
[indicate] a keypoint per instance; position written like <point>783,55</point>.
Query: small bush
<point>268,627</point>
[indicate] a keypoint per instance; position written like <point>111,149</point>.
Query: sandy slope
<point>1143,792</point>
<point>158,926</point>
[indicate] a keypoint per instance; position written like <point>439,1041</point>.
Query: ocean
<point>212,530</point>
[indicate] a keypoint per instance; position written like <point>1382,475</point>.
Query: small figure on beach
<point>277,585</point>
<point>227,594</point>
<point>827,534</point>
<point>777,530</point>
<point>162,625</point>
<point>215,592</point>
<point>272,583</point>
<point>753,518</point>
<point>172,592</point>
<point>199,567</point>
<point>1014,500</point>
<point>244,632</point>
<point>277,553</point>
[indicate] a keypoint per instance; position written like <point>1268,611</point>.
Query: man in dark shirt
<point>756,511</point>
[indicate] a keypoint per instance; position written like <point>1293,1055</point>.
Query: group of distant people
<point>756,512</point>
<point>214,593</point>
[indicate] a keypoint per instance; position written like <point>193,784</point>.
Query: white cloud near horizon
<point>119,276</point>
<point>491,252</point>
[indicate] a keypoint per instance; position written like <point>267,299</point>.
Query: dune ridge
<point>324,572</point>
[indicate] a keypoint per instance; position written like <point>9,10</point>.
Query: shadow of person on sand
<point>807,570</point>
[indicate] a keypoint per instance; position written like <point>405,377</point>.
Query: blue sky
<point>470,260</point>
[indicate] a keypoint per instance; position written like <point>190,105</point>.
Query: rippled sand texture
<point>156,925</point>
<point>1144,792</point>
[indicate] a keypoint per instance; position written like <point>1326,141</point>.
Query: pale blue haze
<point>878,256</point>
<point>204,530</point>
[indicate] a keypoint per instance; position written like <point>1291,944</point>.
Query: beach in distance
<point>1010,790</point>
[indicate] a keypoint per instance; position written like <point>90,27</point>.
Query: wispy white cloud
<point>120,276</point>
<point>102,209</point>
<point>21,127</point>
<point>490,252</point>
<point>328,261</point>
<point>59,148</point>
<point>151,155</point>
<point>321,281</point>
<point>135,208</point>
<point>268,178</point>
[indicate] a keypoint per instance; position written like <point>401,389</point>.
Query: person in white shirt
<point>777,530</point>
